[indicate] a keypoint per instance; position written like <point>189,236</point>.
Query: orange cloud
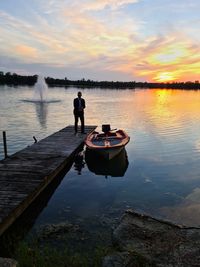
<point>97,5</point>
<point>27,51</point>
<point>169,54</point>
<point>165,77</point>
<point>116,42</point>
<point>163,60</point>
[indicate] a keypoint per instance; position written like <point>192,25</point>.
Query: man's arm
<point>75,105</point>
<point>83,103</point>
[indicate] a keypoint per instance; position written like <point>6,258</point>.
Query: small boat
<point>107,143</point>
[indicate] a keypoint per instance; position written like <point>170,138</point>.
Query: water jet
<point>40,94</point>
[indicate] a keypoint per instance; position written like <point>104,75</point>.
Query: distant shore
<point>13,79</point>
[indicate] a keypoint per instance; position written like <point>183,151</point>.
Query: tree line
<point>15,79</point>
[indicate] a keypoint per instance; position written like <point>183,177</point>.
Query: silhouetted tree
<point>15,79</point>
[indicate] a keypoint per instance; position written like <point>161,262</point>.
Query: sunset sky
<point>125,40</point>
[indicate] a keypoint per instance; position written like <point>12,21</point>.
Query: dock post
<point>5,144</point>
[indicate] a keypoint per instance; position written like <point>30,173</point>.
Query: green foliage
<point>35,256</point>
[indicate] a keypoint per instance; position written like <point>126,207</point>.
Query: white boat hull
<point>108,153</point>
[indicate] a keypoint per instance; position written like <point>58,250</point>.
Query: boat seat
<point>111,134</point>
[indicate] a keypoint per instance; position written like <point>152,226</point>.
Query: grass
<point>35,256</point>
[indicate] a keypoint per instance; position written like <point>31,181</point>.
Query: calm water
<point>162,175</point>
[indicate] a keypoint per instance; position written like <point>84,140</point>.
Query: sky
<point>113,40</point>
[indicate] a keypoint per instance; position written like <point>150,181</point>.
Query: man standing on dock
<point>79,106</point>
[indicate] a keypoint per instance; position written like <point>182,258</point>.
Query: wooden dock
<point>25,174</point>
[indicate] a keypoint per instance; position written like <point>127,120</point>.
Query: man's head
<point>79,94</point>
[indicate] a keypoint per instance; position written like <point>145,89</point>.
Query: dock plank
<point>25,174</point>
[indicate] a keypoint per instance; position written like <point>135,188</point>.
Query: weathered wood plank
<point>25,174</point>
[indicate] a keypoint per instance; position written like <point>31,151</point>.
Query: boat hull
<point>108,153</point>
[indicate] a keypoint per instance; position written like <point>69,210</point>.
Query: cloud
<point>26,51</point>
<point>101,35</point>
<point>173,54</point>
<point>101,4</point>
<point>83,5</point>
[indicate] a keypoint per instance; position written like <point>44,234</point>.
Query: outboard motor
<point>106,128</point>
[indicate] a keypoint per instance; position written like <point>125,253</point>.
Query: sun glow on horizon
<point>164,77</point>
<point>169,61</point>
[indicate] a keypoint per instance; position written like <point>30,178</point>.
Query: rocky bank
<point>141,240</point>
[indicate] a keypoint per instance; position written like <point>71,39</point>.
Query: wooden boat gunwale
<point>120,135</point>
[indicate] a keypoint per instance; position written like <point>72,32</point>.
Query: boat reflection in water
<point>115,167</point>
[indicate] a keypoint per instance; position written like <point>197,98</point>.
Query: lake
<point>158,174</point>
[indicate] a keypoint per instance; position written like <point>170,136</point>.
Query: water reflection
<point>41,111</point>
<point>187,211</point>
<point>115,167</point>
<point>164,127</point>
<point>79,162</point>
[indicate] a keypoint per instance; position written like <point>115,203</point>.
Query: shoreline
<point>137,240</point>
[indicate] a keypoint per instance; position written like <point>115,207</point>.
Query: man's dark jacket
<point>76,104</point>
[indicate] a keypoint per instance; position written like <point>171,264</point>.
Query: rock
<point>57,230</point>
<point>5,262</point>
<point>158,243</point>
<point>125,259</point>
